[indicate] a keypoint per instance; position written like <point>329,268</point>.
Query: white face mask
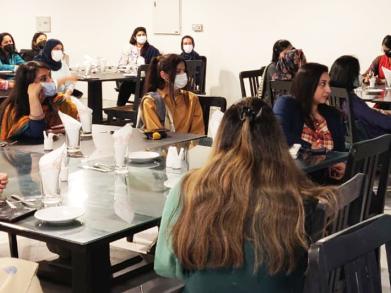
<point>180,81</point>
<point>141,39</point>
<point>57,55</point>
<point>187,48</point>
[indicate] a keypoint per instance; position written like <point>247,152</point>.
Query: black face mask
<point>10,48</point>
<point>388,53</point>
<point>41,44</point>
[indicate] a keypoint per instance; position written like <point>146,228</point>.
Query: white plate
<point>374,90</point>
<point>59,215</point>
<point>143,157</point>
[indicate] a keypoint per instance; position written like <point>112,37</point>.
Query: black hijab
<point>193,55</point>
<point>45,55</point>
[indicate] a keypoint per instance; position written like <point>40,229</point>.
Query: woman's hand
<point>34,89</point>
<point>337,171</point>
<point>3,181</point>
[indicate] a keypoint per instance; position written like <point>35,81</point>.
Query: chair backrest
<point>141,73</point>
<point>196,76</point>
<point>207,102</point>
<point>355,251</point>
<point>339,98</point>
<point>371,157</point>
<point>279,88</point>
<point>253,77</point>
<point>205,60</point>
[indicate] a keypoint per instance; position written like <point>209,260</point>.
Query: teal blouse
<point>14,60</point>
<point>219,280</point>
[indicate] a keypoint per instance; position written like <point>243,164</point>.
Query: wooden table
<point>95,98</point>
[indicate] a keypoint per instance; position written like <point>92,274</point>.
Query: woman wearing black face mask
<point>381,61</point>
<point>37,44</point>
<point>9,57</point>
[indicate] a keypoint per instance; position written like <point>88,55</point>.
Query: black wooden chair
<point>207,102</point>
<point>371,157</point>
<point>196,76</point>
<point>253,77</point>
<point>279,88</point>
<point>355,251</point>
<point>128,114</point>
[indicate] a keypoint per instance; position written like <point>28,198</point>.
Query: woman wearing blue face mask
<point>166,104</point>
<point>33,104</point>
<point>52,55</point>
<point>9,57</point>
<point>369,122</point>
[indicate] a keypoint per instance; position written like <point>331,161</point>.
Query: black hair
<point>387,41</point>
<point>304,86</point>
<point>19,98</point>
<point>278,47</point>
<point>133,40</point>
<point>4,56</point>
<point>34,40</point>
<point>344,72</point>
<point>168,64</point>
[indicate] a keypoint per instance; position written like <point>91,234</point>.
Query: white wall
<point>238,35</point>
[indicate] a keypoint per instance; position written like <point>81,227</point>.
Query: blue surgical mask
<point>49,89</point>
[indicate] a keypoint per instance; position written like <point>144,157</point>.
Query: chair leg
<point>13,244</point>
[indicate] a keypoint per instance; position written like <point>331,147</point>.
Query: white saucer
<point>59,215</point>
<point>143,157</point>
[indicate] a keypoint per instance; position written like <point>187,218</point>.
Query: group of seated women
<point>240,223</point>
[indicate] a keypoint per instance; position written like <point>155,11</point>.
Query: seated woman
<point>9,57</point>
<point>380,61</point>
<point>33,104</point>
<point>289,64</point>
<point>52,55</point>
<point>306,119</point>
<point>231,226</point>
<point>187,46</point>
<point>373,122</point>
<point>37,44</point>
<point>139,52</point>
<point>166,104</point>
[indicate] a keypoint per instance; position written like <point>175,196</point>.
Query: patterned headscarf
<point>288,65</point>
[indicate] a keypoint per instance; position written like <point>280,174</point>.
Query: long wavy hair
<point>19,98</point>
<point>4,55</point>
<point>250,190</point>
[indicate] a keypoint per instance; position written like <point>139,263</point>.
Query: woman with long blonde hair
<point>238,223</point>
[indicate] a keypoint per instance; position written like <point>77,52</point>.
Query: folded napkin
<point>173,159</point>
<point>121,139</point>
<point>85,115</point>
<point>387,75</point>
<point>49,169</point>
<point>214,123</point>
<point>294,150</point>
<point>72,129</point>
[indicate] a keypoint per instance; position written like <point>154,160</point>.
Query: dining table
<point>94,88</point>
<point>116,204</point>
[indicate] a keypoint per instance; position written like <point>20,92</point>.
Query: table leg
<point>91,269</point>
<point>13,245</point>
<point>95,100</point>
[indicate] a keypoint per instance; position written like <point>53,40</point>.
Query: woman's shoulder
<point>286,101</point>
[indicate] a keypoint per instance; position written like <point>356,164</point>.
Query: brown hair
<point>250,190</point>
<point>168,64</point>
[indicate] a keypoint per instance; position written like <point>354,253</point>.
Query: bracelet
<point>39,117</point>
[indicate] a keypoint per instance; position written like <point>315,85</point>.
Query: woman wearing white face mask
<point>166,104</point>
<point>187,46</point>
<point>33,105</point>
<point>137,53</point>
<point>52,55</point>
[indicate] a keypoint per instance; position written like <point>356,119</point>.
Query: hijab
<point>45,55</point>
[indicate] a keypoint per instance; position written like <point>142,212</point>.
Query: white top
<point>131,56</point>
<point>62,72</point>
